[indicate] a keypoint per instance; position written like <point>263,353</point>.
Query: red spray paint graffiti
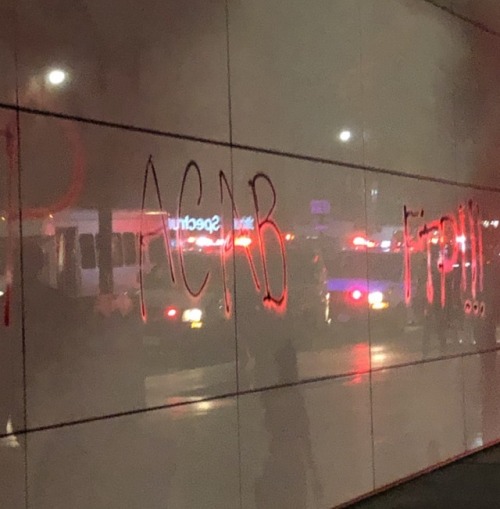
<point>150,168</point>
<point>192,165</point>
<point>407,249</point>
<point>229,244</point>
<point>265,221</point>
<point>459,238</point>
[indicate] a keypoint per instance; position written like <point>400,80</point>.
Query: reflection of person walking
<point>290,467</point>
<point>45,312</point>
<point>49,319</point>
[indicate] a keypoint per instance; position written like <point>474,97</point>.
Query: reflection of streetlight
<point>56,77</point>
<point>345,136</point>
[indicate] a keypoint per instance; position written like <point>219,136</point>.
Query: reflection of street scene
<point>362,282</point>
<point>336,290</point>
<point>206,263</point>
<point>90,354</point>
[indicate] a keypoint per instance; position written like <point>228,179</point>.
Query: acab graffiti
<point>260,224</point>
<point>263,222</point>
<point>450,242</point>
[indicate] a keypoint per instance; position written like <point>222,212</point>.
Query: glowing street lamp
<point>345,136</point>
<point>56,77</point>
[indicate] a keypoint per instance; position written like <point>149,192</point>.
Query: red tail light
<point>356,295</point>
<point>170,313</point>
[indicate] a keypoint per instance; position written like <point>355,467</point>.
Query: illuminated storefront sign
<point>208,224</point>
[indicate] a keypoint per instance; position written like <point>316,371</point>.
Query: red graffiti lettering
<point>267,222</point>
<point>475,308</point>
<point>446,263</point>
<point>229,243</point>
<point>423,234</point>
<point>453,233</point>
<point>468,307</point>
<point>482,309</point>
<point>463,250</point>
<point>407,250</point>
<point>480,250</point>
<point>191,166</point>
<point>473,242</point>
<point>150,168</point>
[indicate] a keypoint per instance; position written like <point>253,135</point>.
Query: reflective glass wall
<point>249,251</point>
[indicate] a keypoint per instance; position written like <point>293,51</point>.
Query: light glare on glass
<point>345,136</point>
<point>192,315</point>
<point>56,77</point>
<point>375,297</point>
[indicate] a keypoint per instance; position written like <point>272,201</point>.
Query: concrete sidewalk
<point>472,483</point>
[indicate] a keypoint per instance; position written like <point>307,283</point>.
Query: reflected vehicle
<point>171,313</point>
<point>360,281</point>
<point>306,303</point>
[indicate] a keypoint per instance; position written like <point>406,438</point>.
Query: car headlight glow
<point>375,298</point>
<point>192,315</point>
